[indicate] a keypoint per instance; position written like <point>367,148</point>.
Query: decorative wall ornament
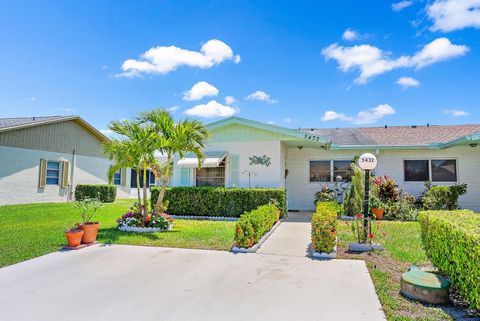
<point>260,160</point>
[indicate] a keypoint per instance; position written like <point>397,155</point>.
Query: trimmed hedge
<point>218,201</point>
<point>103,192</point>
<point>452,242</point>
<point>253,225</point>
<point>324,227</point>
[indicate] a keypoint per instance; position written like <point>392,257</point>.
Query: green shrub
<point>354,200</point>
<point>401,210</point>
<point>218,201</point>
<point>324,195</point>
<point>452,242</point>
<point>442,197</point>
<point>254,224</point>
<point>324,227</point>
<point>104,193</point>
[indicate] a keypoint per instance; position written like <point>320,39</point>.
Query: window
<point>444,170</point>
<point>435,170</point>
<point>327,171</point>
<point>343,169</point>
<point>133,178</point>
<point>210,176</point>
<point>320,171</point>
<point>416,170</point>
<point>152,178</point>
<point>53,172</point>
<point>117,177</point>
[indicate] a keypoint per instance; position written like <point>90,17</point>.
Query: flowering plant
<point>134,218</point>
<point>324,195</point>
<point>366,234</point>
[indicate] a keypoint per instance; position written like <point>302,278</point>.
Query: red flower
<point>358,215</point>
<point>384,234</point>
<point>346,223</point>
<point>370,235</point>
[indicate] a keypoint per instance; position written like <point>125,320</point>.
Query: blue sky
<point>302,63</point>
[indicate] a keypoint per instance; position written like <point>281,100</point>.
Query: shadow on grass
<point>112,235</point>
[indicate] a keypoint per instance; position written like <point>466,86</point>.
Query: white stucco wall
<point>468,170</point>
<point>19,174</point>
<point>300,191</point>
<point>270,176</point>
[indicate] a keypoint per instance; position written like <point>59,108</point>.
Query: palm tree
<point>134,149</point>
<point>186,136</point>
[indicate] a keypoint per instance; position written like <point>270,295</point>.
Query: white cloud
<point>287,120</point>
<point>199,90</point>
<point>350,35</point>
<point>173,109</point>
<point>397,6</point>
<point>212,109</point>
<point>106,132</point>
<point>363,117</point>
<point>372,61</point>
<point>103,67</point>
<point>406,82</point>
<point>271,122</point>
<point>261,96</point>
<point>450,15</point>
<point>455,112</point>
<point>229,100</point>
<point>32,99</point>
<point>164,59</point>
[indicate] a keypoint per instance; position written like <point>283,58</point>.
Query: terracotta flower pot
<point>90,231</point>
<point>377,213</point>
<point>74,238</point>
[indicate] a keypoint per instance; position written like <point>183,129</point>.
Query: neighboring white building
<point>304,160</point>
<point>42,159</point>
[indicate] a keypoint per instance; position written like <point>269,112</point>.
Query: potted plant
<point>74,235</point>
<point>376,208</point>
<point>88,207</point>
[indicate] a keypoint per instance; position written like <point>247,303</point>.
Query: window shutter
<point>64,181</point>
<point>234,170</point>
<point>42,180</point>
<point>123,178</point>
<point>185,176</point>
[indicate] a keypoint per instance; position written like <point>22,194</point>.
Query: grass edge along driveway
<point>31,230</point>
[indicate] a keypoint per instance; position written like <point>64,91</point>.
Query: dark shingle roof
<point>22,121</point>
<point>395,135</point>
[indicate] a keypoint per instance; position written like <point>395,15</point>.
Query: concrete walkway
<point>291,238</point>
<point>123,283</point>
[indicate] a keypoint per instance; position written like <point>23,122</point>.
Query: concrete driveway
<point>145,283</point>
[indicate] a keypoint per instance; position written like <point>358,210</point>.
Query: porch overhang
<point>212,159</point>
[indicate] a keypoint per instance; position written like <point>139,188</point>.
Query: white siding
<point>266,176</point>
<point>300,191</point>
<point>468,170</point>
<point>19,174</point>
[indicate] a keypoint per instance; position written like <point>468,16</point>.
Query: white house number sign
<point>367,161</point>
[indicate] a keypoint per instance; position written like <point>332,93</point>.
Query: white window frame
<point>119,172</point>
<point>57,170</point>
<point>429,160</point>
<point>332,179</point>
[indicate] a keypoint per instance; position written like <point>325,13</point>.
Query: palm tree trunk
<point>138,188</point>
<point>165,178</point>
<point>145,198</point>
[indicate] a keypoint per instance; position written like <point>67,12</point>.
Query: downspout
<point>72,172</point>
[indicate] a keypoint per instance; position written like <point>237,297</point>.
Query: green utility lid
<point>425,279</point>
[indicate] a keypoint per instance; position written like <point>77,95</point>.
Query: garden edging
<point>255,247</point>
<point>206,218</point>
<point>323,256</point>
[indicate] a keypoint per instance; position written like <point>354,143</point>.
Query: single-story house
<point>43,159</point>
<point>243,153</point>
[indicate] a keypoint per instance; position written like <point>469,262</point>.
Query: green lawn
<point>403,247</point>
<point>31,230</point>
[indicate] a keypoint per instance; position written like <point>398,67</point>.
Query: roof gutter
<point>385,147</point>
<point>463,140</point>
